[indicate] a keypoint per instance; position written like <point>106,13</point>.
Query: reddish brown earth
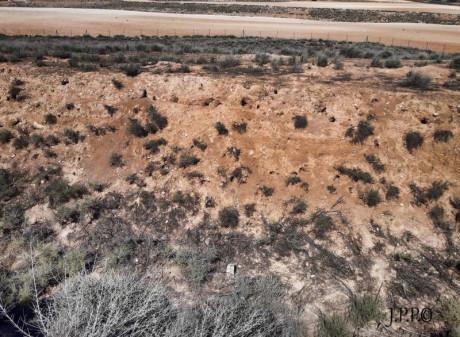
<point>271,148</point>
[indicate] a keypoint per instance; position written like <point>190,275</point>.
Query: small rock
<point>458,108</point>
<point>401,204</point>
<point>251,153</point>
<point>435,114</point>
<point>37,126</point>
<point>231,269</point>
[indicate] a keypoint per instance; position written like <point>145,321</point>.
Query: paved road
<point>66,21</point>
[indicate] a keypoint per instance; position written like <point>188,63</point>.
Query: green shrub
<point>60,192</point>
<point>360,133</point>
<point>455,63</point>
<point>393,63</point>
<point>333,326</point>
<point>135,128</point>
<point>199,144</point>
<point>249,209</point>
<point>196,265</point>
<point>67,214</point>
<point>186,160</point>
<point>392,192</point>
<point>356,174</point>
<point>365,309</point>
<point>436,190</point>
<point>228,62</point>
<point>8,187</point>
<point>119,85</point>
<point>111,110</point>
<point>154,145</point>
<point>51,140</point>
<point>116,160</point>
<point>37,140</point>
<point>300,122</point>
<point>436,213</point>
<point>376,62</point>
<point>416,80</point>
<point>267,191</point>
<point>5,136</point>
<point>228,217</point>
<point>338,64</point>
<point>262,59</point>
<point>375,162</point>
<point>450,312</point>
<point>371,198</point>
<point>50,119</point>
<point>322,60</point>
<point>442,135</point>
<point>221,129</point>
<point>323,225</point>
<point>292,180</point>
<point>419,194</point>
<point>331,188</point>
<point>160,121</point>
<point>73,136</point>
<point>413,140</point>
<point>299,207</point>
<point>21,142</point>
<point>131,70</point>
<point>239,127</point>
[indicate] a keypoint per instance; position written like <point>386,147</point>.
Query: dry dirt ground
<point>110,22</point>
<point>271,148</point>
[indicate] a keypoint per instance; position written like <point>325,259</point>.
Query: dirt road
<point>67,21</point>
<point>377,6</point>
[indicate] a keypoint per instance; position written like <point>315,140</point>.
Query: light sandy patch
<point>68,21</point>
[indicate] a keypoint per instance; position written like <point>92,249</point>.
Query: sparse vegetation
<point>5,136</point>
<point>366,309</point>
<point>160,121</point>
<point>392,63</point>
<point>117,84</point>
<point>228,217</point>
<point>199,144</point>
<point>186,160</point>
<point>239,127</point>
<point>416,80</point>
<point>442,135</point>
<point>50,119</point>
<point>356,174</point>
<point>135,128</point>
<point>116,160</point>
<point>292,180</point>
<point>267,191</point>
<point>300,122</point>
<point>413,140</point>
<point>360,133</point>
<point>221,129</point>
<point>323,224</point>
<point>375,162</point>
<point>371,197</point>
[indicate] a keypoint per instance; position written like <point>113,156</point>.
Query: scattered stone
<point>231,269</point>
<point>332,119</point>
<point>37,126</point>
<point>65,82</point>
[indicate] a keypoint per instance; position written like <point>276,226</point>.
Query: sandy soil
<point>67,21</point>
<point>272,148</point>
<point>384,6</point>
